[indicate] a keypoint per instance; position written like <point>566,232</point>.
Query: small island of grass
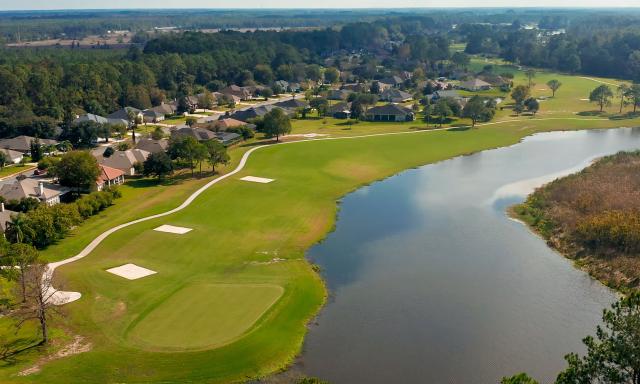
<point>593,218</point>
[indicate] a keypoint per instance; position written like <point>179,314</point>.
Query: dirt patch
<point>78,345</point>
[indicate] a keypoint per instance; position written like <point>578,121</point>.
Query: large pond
<point>431,282</point>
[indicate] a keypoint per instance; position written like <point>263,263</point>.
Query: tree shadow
<point>625,116</point>
<point>459,128</point>
<point>591,113</point>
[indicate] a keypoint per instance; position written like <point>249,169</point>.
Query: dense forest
<point>584,47</point>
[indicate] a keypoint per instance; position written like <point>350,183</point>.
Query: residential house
<point>390,82</point>
<point>389,112</point>
<point>252,113</point>
<point>12,157</point>
<point>356,87</point>
<point>123,114</point>
<point>125,160</point>
<point>109,177</point>
<point>153,146</point>
<point>228,138</point>
<point>475,85</point>
<point>22,144</point>
<point>394,95</point>
<point>5,218</point>
<point>199,134</point>
<point>45,191</point>
<point>292,104</point>
<point>100,120</point>
<point>340,110</point>
<point>224,124</point>
<point>240,92</point>
<point>339,94</point>
<point>152,115</point>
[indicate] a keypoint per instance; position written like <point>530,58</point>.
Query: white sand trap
<point>584,99</point>
<point>131,271</point>
<point>62,297</point>
<point>255,179</point>
<point>173,229</point>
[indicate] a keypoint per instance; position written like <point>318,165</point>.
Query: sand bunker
<point>131,271</point>
<point>173,229</point>
<point>255,179</point>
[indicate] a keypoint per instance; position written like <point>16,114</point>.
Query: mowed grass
<point>243,234</point>
<point>203,315</point>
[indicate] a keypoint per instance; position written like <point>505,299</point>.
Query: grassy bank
<point>591,217</point>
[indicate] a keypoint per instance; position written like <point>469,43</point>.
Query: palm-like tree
<point>623,92</point>
<point>18,227</point>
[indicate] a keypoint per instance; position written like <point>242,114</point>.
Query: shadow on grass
<point>461,128</point>
<point>625,116</point>
<point>591,113</point>
<point>11,351</point>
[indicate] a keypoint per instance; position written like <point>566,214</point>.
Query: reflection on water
<point>430,283</point>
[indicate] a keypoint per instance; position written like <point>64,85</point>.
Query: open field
<point>244,235</point>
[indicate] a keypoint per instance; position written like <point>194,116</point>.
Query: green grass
<point>239,229</point>
<point>203,315</point>
<point>13,169</point>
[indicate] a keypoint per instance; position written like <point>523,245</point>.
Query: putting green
<point>204,315</point>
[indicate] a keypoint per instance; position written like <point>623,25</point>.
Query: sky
<point>117,4</point>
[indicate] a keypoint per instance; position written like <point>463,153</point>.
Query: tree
<point>157,133</point>
<point>205,100</point>
<point>18,228</point>
<point>613,355</point>
<point>78,169</point>
<point>521,378</point>
<point>3,159</point>
<point>518,108</point>
<point>188,149</point>
<point>442,110</point>
<point>331,75</point>
<point>532,105</point>
<point>554,85</point>
<point>460,59</point>
<point>530,73</point>
<point>474,109</point>
<point>19,257</point>
<point>520,93</point>
<point>191,121</point>
<point>217,153</point>
<point>36,150</point>
<point>134,119</point>
<point>39,304</point>
<point>266,93</point>
<point>623,93</point>
<point>158,164</point>
<point>276,123</point>
<point>602,96</point>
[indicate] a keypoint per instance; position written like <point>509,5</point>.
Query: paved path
<point>598,81</point>
<point>63,297</point>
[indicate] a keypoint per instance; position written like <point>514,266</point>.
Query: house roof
<point>30,187</point>
<point>99,119</point>
<point>108,173</point>
<point>227,137</point>
<point>11,154</point>
<point>199,134</point>
<point>252,113</point>
<point>339,94</point>
<point>393,80</point>
<point>166,109</point>
<point>389,109</point>
<point>123,113</point>
<point>124,160</point>
<point>230,123</point>
<point>340,107</point>
<point>152,146</point>
<point>5,218</point>
<point>292,104</point>
<point>475,83</point>
<point>23,143</point>
<point>395,94</point>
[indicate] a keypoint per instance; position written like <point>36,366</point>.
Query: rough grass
<point>591,217</point>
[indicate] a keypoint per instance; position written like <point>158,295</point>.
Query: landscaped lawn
<point>13,169</point>
<point>244,235</point>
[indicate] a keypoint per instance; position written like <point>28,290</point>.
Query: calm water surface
<point>431,282</point>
